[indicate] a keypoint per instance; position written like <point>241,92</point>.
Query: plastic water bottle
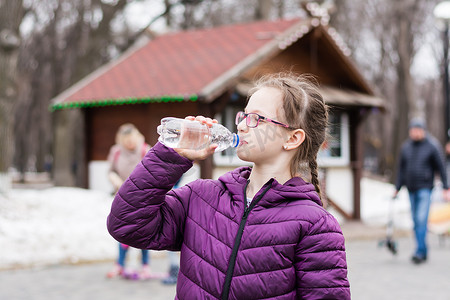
<point>187,134</point>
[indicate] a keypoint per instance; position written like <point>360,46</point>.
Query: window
<point>335,150</point>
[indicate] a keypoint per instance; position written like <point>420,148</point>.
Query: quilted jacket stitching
<point>264,246</point>
<point>208,232</point>
<point>327,232</point>
<point>324,251</point>
<point>229,192</point>
<point>151,174</point>
<point>276,296</point>
<point>123,199</point>
<point>282,221</point>
<point>322,269</point>
<point>203,259</point>
<point>203,199</point>
<point>198,285</point>
<point>262,272</point>
<point>323,287</point>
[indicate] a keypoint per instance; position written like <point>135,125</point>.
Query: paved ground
<point>81,282</point>
<point>374,273</point>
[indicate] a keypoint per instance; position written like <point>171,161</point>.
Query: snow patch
<point>55,225</point>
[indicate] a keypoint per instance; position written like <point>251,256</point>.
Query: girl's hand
<point>198,154</point>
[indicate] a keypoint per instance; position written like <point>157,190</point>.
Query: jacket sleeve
<point>321,267</point>
<point>146,213</point>
<point>401,169</point>
<point>438,162</point>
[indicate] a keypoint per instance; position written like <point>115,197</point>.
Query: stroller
<point>389,241</point>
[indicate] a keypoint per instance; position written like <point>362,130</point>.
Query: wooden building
<point>208,72</point>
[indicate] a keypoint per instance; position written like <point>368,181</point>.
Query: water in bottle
<point>187,134</point>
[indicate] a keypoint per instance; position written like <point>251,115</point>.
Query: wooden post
<point>206,166</point>
<point>326,200</point>
<point>356,159</point>
<point>210,110</point>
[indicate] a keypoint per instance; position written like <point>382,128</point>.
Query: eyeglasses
<point>252,120</point>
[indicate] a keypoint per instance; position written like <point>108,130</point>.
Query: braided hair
<point>304,108</point>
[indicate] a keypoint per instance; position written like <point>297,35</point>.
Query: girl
<point>254,233</point>
<point>129,149</point>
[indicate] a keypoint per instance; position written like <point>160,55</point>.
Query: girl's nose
<point>242,126</point>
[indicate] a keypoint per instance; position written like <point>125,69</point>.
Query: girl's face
<point>264,143</point>
<point>129,142</point>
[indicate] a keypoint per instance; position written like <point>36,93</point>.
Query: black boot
<point>173,274</point>
<point>418,259</point>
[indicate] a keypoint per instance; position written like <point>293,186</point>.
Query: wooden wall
<point>313,54</point>
<point>103,122</point>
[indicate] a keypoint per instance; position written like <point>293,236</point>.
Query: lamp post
<point>442,14</point>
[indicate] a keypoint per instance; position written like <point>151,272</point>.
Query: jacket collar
<point>294,189</point>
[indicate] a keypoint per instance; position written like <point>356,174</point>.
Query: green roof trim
<point>112,102</point>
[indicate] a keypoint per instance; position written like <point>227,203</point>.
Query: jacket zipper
<point>237,241</point>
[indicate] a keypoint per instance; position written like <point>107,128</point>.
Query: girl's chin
<point>244,154</point>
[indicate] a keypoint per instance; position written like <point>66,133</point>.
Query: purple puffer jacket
<point>284,246</point>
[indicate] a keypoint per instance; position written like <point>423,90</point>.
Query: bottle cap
<point>235,140</point>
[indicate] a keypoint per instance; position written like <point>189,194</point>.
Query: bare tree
<point>89,42</point>
<point>63,48</point>
<point>384,37</point>
<point>11,14</point>
<point>409,18</point>
<point>263,9</point>
<point>69,40</point>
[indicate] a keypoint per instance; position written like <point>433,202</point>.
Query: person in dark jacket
<point>257,232</point>
<point>447,159</point>
<point>420,159</point>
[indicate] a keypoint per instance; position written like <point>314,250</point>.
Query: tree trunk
<point>406,105</point>
<point>65,163</point>
<point>86,51</point>
<point>11,14</point>
<point>263,9</point>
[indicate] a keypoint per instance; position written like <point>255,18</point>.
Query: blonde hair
<point>304,108</point>
<point>128,130</point>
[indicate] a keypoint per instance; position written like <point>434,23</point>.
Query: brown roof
<point>347,97</point>
<point>179,66</point>
<point>333,95</point>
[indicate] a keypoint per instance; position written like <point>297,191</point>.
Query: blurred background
<point>48,46</point>
<point>71,72</point>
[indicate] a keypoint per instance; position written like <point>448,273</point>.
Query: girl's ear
<point>297,137</point>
